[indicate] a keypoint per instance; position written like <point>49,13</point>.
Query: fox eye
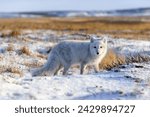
<point>94,46</point>
<point>100,47</point>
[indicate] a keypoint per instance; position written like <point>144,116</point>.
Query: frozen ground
<point>126,82</point>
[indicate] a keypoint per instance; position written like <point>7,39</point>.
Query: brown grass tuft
<point>15,33</point>
<point>5,34</point>
<point>10,47</point>
<point>112,60</point>
<point>11,70</point>
<point>24,50</point>
<point>33,64</point>
<point>14,70</point>
<point>41,56</point>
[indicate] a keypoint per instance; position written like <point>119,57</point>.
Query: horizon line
<point>73,10</point>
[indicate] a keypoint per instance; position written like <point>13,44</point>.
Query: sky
<point>49,5</point>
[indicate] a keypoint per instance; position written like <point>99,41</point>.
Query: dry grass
<point>5,33</point>
<point>127,27</point>
<point>33,64</point>
<point>9,69</point>
<point>24,50</point>
<point>14,70</point>
<point>10,33</point>
<point>112,60</point>
<point>15,33</point>
<point>10,47</point>
<point>138,58</point>
<point>41,56</point>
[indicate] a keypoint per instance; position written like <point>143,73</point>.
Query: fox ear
<point>104,40</point>
<point>92,39</point>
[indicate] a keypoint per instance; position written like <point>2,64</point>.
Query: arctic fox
<point>66,53</point>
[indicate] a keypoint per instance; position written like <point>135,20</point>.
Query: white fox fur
<point>68,53</point>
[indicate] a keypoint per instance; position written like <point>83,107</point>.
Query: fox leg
<point>66,67</point>
<point>82,67</point>
<point>96,68</point>
<point>57,71</point>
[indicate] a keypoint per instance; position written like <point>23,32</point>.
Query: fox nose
<point>97,53</point>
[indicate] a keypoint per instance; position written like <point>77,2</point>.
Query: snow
<point>132,46</point>
<point>126,82</point>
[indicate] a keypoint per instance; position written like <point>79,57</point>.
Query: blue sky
<point>45,5</point>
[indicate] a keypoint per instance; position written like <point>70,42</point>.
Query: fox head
<point>98,46</point>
